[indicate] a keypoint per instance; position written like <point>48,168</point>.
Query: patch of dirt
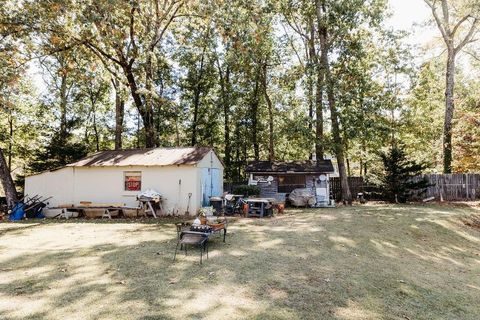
<point>472,221</point>
<point>275,293</point>
<point>458,204</point>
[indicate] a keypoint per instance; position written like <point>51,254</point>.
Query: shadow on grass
<point>329,264</point>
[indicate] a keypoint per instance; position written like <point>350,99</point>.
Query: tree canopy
<point>265,80</point>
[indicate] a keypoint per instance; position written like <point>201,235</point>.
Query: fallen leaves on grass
<point>472,221</point>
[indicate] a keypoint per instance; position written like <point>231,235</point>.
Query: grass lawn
<point>363,262</point>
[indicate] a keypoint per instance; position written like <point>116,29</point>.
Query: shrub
<point>247,191</point>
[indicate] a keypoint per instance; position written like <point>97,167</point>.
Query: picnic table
<point>259,207</point>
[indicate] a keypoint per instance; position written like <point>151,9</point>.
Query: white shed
<point>119,176</point>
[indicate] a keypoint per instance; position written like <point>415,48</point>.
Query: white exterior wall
<point>106,185</point>
<point>57,184</point>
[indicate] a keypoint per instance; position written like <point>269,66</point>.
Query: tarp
<point>150,195</point>
<point>18,212</point>
<point>302,198</point>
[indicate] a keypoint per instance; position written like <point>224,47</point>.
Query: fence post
<point>466,185</point>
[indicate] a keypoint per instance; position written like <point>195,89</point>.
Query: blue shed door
<point>210,184</point>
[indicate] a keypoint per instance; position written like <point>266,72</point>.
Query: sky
<point>408,12</point>
<point>411,15</point>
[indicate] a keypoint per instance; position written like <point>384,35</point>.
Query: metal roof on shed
<point>321,166</point>
<point>144,157</point>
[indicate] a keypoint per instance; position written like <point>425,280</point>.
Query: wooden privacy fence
<point>356,185</point>
<point>451,187</point>
<point>448,187</point>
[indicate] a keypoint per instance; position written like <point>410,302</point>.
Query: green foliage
<point>396,178</point>
<point>422,125</point>
<point>182,74</point>
<point>58,153</point>
<point>247,190</point>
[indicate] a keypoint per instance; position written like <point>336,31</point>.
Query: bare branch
<point>473,55</point>
<point>165,27</point>
<point>468,37</point>
<point>295,28</point>
<point>132,31</point>
<point>290,40</point>
<point>459,23</point>
<point>438,21</point>
<point>101,52</point>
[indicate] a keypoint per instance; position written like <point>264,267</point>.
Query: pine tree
<point>396,179</point>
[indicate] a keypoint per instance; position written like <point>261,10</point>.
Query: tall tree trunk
<point>10,140</point>
<point>347,159</point>
<point>311,102</point>
<point>449,110</point>
<point>325,69</point>
<point>271,150</point>
<point>196,98</point>
<point>311,72</point>
<point>363,159</point>
<point>338,143</point>
<point>225,89</point>
<point>195,120</point>
<point>138,131</point>
<point>454,46</point>
<point>177,132</point>
<point>144,110</point>
<point>254,111</point>
<point>119,114</point>
<point>63,106</point>
<point>318,99</point>
<point>237,159</point>
<point>319,149</point>
<point>196,103</point>
<point>63,112</point>
<point>95,131</point>
<point>226,112</point>
<point>7,181</point>
<point>149,121</point>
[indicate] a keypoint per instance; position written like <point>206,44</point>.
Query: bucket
<point>245,209</point>
<point>281,207</point>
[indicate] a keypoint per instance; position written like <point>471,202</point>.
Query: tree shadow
<point>320,264</point>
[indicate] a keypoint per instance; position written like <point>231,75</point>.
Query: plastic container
<point>216,203</point>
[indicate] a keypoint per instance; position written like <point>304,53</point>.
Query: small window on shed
<point>133,181</point>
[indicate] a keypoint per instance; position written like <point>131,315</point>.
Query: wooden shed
<point>278,179</point>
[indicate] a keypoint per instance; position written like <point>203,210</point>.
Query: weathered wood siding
<point>271,190</point>
<point>310,181</point>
